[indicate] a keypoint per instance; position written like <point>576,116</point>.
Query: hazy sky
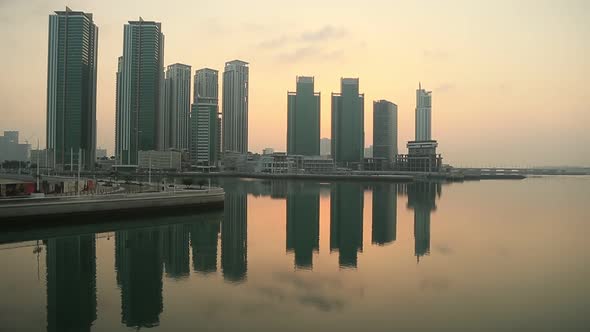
<point>510,79</point>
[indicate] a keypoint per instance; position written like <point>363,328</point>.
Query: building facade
<point>384,130</point>
<point>167,160</point>
<point>205,119</point>
<point>303,119</point>
<point>176,126</point>
<point>71,87</point>
<point>235,107</point>
<point>423,114</point>
<point>139,115</point>
<point>348,123</point>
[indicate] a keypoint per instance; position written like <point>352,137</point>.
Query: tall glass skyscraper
<point>140,110</point>
<point>205,121</point>
<point>235,106</point>
<point>384,130</point>
<point>178,104</point>
<point>348,122</point>
<point>71,88</point>
<point>423,114</point>
<point>303,119</point>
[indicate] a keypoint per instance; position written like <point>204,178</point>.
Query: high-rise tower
<point>384,130</point>
<point>178,105</point>
<point>205,128</point>
<point>423,114</point>
<point>235,107</point>
<point>348,122</point>
<point>303,119</point>
<point>71,88</point>
<point>140,112</point>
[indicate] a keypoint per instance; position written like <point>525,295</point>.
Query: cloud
<point>326,33</point>
<point>445,87</point>
<point>274,43</point>
<point>310,52</point>
<point>299,54</point>
<point>435,54</point>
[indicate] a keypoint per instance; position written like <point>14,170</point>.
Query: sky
<point>510,79</point>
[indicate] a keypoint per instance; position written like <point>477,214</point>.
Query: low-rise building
<point>11,149</point>
<point>421,157</point>
<point>163,160</point>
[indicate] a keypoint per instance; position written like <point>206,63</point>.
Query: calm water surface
<point>308,256</point>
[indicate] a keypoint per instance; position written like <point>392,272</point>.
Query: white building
<point>235,106</point>
<point>268,151</point>
<point>423,114</point>
<point>325,146</point>
<point>169,160</point>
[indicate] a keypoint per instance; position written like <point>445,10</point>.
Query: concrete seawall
<point>21,210</point>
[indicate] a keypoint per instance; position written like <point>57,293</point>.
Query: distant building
<point>303,119</point>
<point>139,115</point>
<point>368,152</point>
<point>165,160</point>
<point>423,114</point>
<point>71,87</point>
<point>11,149</point>
<point>348,123</point>
<point>268,151</point>
<point>384,130</point>
<point>325,147</point>
<point>235,107</point>
<point>177,107</point>
<point>101,153</point>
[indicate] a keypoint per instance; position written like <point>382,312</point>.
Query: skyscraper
<point>140,113</point>
<point>384,130</point>
<point>423,114</point>
<point>205,128</point>
<point>235,107</point>
<point>71,87</point>
<point>178,106</point>
<point>348,122</point>
<point>303,119</point>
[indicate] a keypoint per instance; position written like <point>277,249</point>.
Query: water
<point>296,256</point>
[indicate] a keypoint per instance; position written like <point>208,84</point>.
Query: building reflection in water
<point>346,222</point>
<point>204,237</point>
<point>71,283</point>
<point>175,246</point>
<point>138,262</point>
<point>422,199</point>
<point>303,221</point>
<point>384,227</point>
<point>234,256</point>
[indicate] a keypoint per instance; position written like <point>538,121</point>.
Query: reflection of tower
<point>204,243</point>
<point>346,221</point>
<point>303,221</point>
<point>139,275</point>
<point>175,243</point>
<point>384,214</point>
<point>234,260</point>
<point>422,199</point>
<point>71,283</point>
